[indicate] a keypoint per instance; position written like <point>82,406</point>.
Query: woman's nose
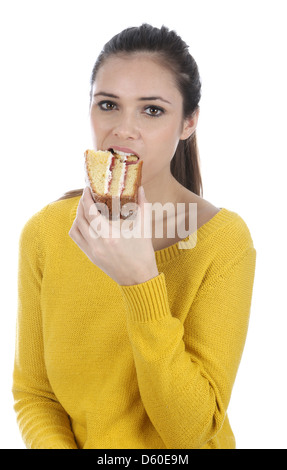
<point>126,127</point>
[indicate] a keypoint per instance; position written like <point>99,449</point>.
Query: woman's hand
<point>126,255</point>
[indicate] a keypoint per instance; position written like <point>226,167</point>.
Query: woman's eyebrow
<point>110,95</point>
<point>153,98</point>
<point>145,98</point>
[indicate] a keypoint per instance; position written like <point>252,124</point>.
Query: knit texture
<point>147,366</point>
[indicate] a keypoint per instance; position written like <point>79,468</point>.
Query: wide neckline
<point>191,241</point>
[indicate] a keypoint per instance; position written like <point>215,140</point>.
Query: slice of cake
<point>114,180</point>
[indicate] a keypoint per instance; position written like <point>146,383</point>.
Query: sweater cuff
<point>147,301</point>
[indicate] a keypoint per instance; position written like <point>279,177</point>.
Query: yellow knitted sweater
<point>147,366</point>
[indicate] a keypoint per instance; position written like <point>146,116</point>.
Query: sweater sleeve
<point>186,371</point>
<point>42,421</point>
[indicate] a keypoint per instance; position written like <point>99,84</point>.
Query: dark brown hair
<point>173,52</point>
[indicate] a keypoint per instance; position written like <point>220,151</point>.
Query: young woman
<point>134,342</point>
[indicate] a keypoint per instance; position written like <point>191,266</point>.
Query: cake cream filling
<point>109,173</point>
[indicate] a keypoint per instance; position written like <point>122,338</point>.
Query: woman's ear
<point>189,125</point>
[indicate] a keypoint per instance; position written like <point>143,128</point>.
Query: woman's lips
<point>124,150</point>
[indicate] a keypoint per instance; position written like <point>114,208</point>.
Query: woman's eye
<point>154,111</point>
<point>106,105</point>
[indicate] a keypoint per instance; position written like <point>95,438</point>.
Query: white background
<point>48,49</point>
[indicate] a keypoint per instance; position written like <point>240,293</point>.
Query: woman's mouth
<point>123,151</point>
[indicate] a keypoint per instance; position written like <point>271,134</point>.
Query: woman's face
<point>137,108</point>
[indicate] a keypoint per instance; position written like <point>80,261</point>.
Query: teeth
<point>122,153</point>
